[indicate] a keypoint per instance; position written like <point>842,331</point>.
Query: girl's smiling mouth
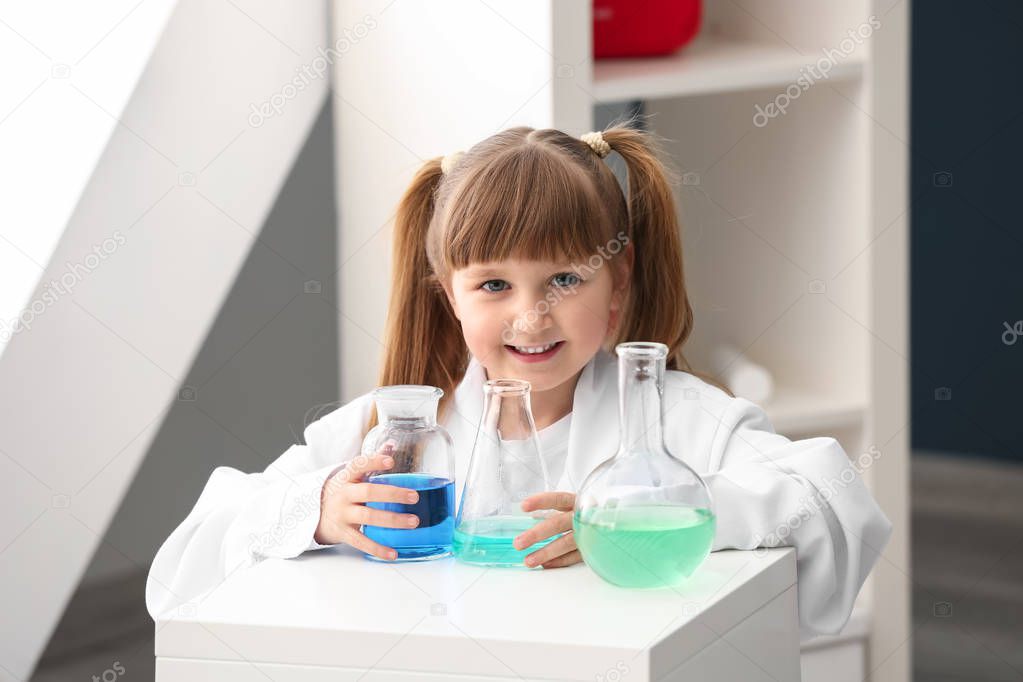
<point>535,353</point>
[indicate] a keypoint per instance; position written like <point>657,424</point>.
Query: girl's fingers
<point>562,501</point>
<point>361,542</point>
<point>573,557</point>
<point>357,468</point>
<point>367,516</point>
<point>558,523</point>
<point>563,545</point>
<point>380,492</point>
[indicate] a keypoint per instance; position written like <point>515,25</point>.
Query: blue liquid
<point>431,539</point>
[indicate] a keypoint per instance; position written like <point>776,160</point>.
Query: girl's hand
<point>560,552</point>
<point>343,508</point>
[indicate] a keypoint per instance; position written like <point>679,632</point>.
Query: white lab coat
<point>761,484</point>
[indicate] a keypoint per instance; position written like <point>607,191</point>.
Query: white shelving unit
<point>710,65</point>
<point>796,413</point>
<point>794,226</point>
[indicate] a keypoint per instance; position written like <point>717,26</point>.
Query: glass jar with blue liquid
<point>423,461</point>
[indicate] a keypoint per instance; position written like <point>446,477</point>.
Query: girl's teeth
<point>534,349</point>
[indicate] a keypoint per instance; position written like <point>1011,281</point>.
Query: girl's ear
<point>623,269</point>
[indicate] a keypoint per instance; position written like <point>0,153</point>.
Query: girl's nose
<point>532,314</point>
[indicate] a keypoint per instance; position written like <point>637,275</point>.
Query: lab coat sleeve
<point>769,491</point>
<point>241,519</point>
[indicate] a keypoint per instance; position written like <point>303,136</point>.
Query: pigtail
<point>423,341</point>
<point>658,308</point>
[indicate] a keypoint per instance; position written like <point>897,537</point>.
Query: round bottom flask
<point>643,518</point>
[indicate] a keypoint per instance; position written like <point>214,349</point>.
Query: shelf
<point>796,412</point>
<point>710,64</point>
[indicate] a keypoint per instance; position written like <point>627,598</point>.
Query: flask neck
<point>640,408</point>
<point>510,414</point>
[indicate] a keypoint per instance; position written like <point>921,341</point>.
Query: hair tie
<point>449,161</point>
<point>597,143</point>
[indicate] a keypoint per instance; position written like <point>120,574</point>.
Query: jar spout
<point>413,405</point>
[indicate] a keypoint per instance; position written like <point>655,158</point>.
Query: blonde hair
<point>540,195</point>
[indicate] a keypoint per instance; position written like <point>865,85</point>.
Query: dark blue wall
<point>967,227</point>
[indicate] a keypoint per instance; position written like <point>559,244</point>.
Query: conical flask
<point>643,518</point>
<point>423,461</point>
<point>506,467</point>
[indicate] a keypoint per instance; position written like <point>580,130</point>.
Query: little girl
<point>522,258</point>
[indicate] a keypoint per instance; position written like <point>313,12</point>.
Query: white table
<point>334,615</point>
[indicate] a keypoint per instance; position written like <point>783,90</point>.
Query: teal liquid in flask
<point>505,468</point>
<point>643,518</point>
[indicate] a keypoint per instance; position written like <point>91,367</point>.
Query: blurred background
<point>194,248</point>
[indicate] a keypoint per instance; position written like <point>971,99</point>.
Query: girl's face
<point>513,308</point>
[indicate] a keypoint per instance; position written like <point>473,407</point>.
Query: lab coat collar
<point>593,434</point>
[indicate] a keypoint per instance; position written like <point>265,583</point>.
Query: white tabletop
<point>333,607</point>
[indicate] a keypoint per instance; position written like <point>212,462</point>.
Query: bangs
<point>529,203</point>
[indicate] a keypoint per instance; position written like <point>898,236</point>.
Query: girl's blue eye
<point>500,282</point>
<point>566,279</point>
<point>561,280</point>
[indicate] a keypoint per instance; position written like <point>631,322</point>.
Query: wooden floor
<point>967,597</point>
<point>105,628</point>
<point>967,569</point>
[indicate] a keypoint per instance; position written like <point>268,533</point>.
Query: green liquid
<point>644,546</point>
<point>488,541</point>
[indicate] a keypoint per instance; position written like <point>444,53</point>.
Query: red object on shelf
<point>643,28</point>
